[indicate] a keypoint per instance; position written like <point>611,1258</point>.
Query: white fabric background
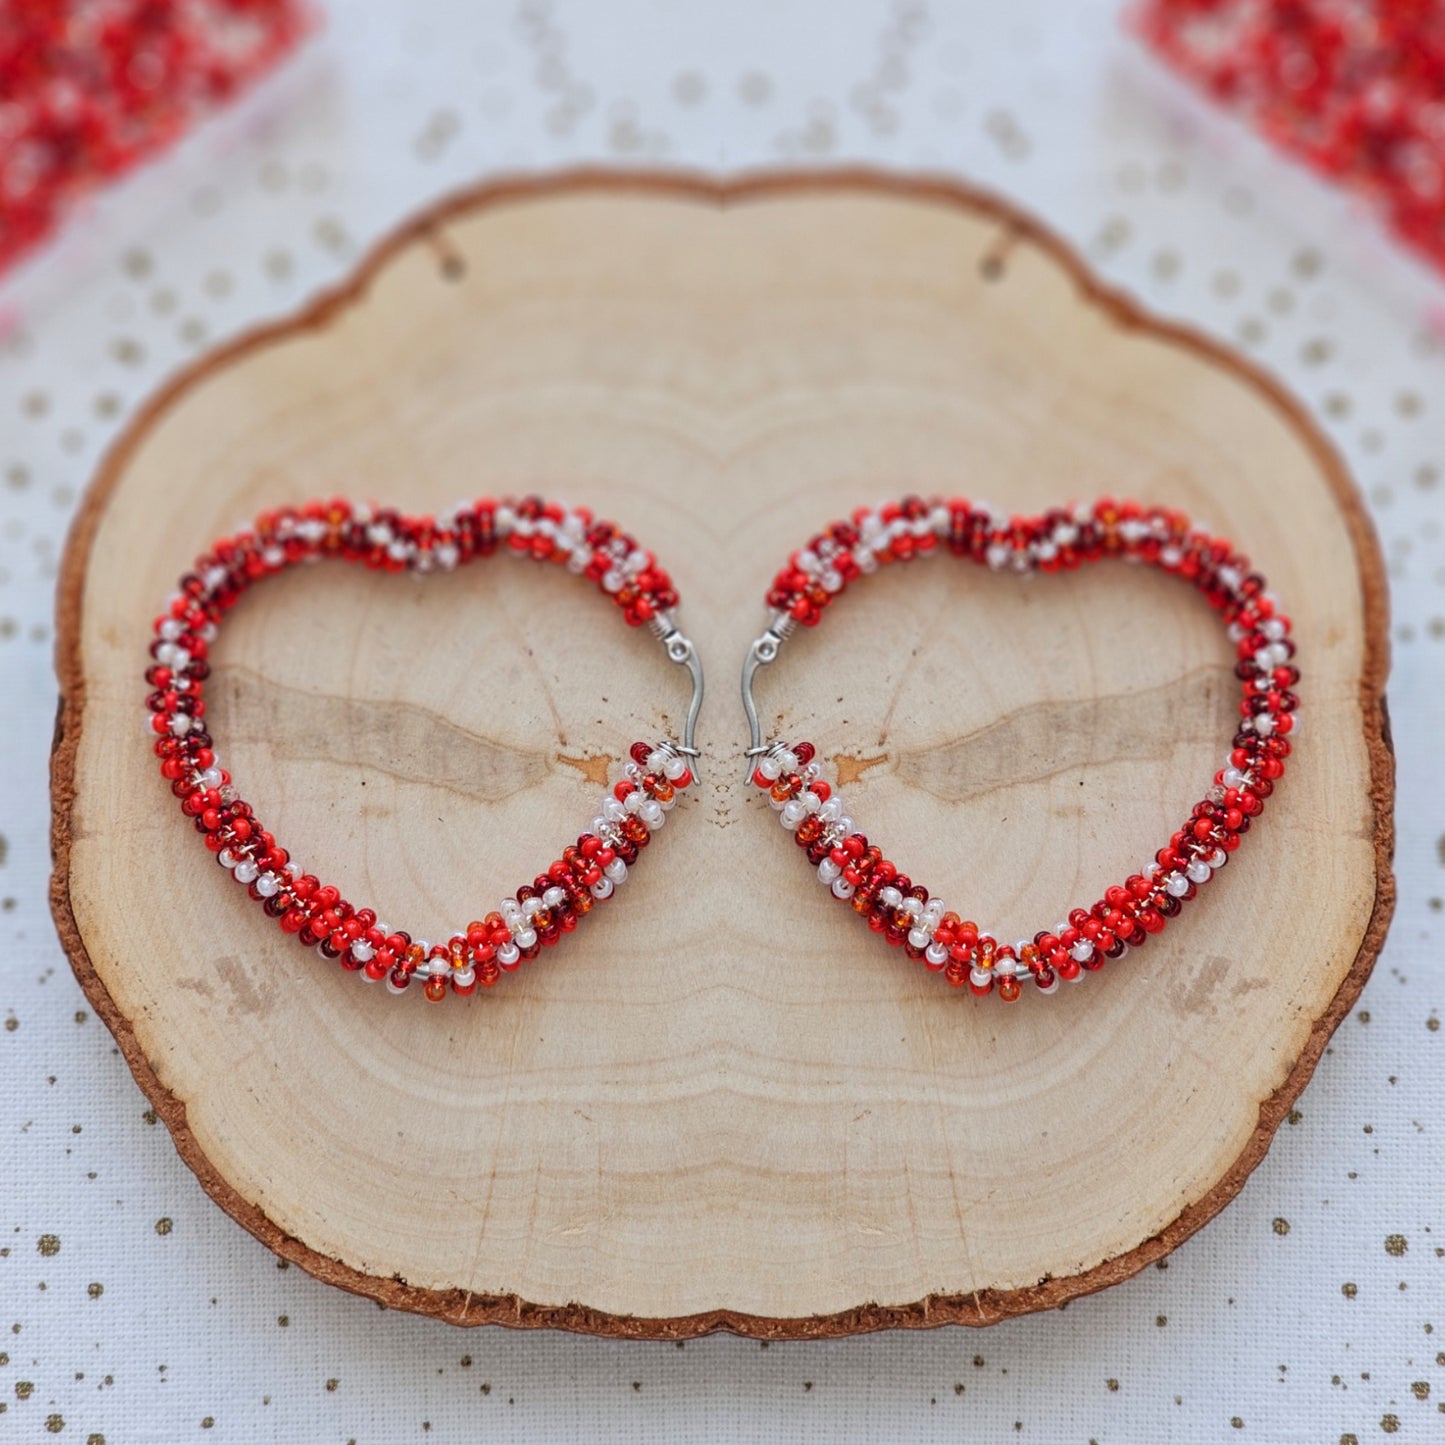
<point>1312,1310</point>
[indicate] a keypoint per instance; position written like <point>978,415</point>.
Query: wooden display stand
<point>724,1104</point>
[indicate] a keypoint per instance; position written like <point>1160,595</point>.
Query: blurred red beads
<point>90,88</point>
<point>1355,88</point>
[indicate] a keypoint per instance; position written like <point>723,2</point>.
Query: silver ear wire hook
<point>764,650</point>
<point>681,650</point>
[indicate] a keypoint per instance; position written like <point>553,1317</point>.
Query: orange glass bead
<point>435,989</point>
<point>1008,989</point>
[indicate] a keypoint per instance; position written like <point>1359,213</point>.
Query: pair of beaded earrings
<point>847,862</point>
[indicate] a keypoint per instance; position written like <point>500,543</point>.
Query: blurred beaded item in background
<point>90,88</point>
<point>1356,88</point>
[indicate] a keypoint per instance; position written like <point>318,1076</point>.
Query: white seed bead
<point>788,761</point>
<point>525,938</point>
<point>674,768</point>
<point>1082,951</point>
<point>656,761</point>
<point>554,897</point>
<point>464,977</point>
<point>601,889</point>
<point>936,954</point>
<point>1176,885</point>
<point>918,938</point>
<point>246,871</point>
<point>615,872</point>
<point>842,888</point>
<point>1199,871</point>
<point>439,967</point>
<point>770,768</point>
<point>508,955</point>
<point>268,885</point>
<point>890,897</point>
<point>828,870</point>
<point>652,814</point>
<point>793,813</point>
<point>362,951</point>
<point>979,977</point>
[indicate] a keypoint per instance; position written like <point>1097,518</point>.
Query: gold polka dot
<point>55,1423</point>
<point>49,1244</point>
<point>1396,1245</point>
<point>1281,1225</point>
<point>164,1225</point>
<point>1349,1289</point>
<point>755,88</point>
<point>689,88</point>
<point>24,1389</point>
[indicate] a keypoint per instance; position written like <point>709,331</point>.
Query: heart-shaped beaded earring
<point>855,869</point>
<point>538,913</point>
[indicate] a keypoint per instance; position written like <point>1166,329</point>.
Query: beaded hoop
<point>540,912</point>
<point>855,869</point>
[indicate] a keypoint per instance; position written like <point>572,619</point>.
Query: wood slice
<point>724,1104</point>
